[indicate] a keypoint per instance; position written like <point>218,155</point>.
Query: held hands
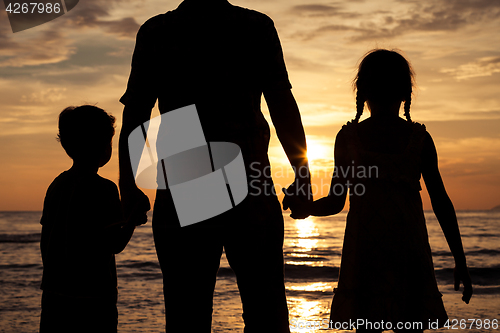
<point>138,217</point>
<point>461,274</point>
<point>300,209</point>
<point>135,206</point>
<point>298,198</point>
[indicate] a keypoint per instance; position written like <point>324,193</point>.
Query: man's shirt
<point>221,59</point>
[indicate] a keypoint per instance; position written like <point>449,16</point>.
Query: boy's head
<point>86,132</point>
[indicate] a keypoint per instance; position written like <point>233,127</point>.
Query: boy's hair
<point>384,76</point>
<point>85,131</point>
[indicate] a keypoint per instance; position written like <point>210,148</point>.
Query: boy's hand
<point>138,218</point>
<point>134,200</point>
<point>461,274</point>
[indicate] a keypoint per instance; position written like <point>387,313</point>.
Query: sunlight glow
<point>318,151</point>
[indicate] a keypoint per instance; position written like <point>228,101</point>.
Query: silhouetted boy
<point>82,229</point>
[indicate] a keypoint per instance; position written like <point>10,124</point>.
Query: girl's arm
<point>445,213</point>
<point>333,203</point>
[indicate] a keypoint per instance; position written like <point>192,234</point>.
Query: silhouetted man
<point>221,58</point>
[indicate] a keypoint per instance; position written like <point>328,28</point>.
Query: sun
<point>318,151</point>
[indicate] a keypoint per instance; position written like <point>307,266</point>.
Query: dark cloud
<point>435,16</point>
<point>49,46</point>
<point>313,10</point>
<point>51,42</point>
<point>486,66</point>
<point>328,29</point>
<point>490,115</point>
<point>94,13</point>
<point>467,128</point>
<point>298,63</point>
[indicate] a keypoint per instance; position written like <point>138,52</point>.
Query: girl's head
<point>384,77</point>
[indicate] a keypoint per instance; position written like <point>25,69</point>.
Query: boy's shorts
<point>62,313</point>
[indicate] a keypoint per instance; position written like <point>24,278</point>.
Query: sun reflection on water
<point>306,233</point>
<point>304,311</point>
<point>318,286</point>
<point>308,302</point>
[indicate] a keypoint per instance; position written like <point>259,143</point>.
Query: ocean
<point>312,257</point>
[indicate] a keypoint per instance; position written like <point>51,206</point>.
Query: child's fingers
<point>467,294</point>
<point>298,215</point>
<point>456,278</point>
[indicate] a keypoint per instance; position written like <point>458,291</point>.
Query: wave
<point>20,238</point>
<point>20,266</point>
<point>136,264</point>
<point>483,235</point>
<point>295,272</point>
<point>480,276</point>
<point>479,252</point>
<point>489,252</point>
<point>289,252</point>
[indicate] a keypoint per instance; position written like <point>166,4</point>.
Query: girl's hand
<point>461,274</point>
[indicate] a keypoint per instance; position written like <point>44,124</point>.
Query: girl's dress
<point>386,271</point>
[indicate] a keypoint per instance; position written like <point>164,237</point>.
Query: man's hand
<point>138,218</point>
<point>133,201</point>
<point>300,209</point>
<point>298,192</point>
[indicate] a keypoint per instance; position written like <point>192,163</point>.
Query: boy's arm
<point>445,213</point>
<point>44,241</point>
<point>118,234</point>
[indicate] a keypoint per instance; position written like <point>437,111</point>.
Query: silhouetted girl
<point>386,273</point>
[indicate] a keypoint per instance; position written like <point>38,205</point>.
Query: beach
<point>312,250</point>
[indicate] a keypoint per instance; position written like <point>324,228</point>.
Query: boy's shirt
<point>78,212</point>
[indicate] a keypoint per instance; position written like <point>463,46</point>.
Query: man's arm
<point>286,119</point>
<point>132,118</point>
<point>139,100</point>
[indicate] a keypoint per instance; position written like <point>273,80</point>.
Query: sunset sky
<point>84,57</point>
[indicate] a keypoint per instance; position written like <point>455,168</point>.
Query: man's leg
<point>256,256</point>
<point>189,260</point>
